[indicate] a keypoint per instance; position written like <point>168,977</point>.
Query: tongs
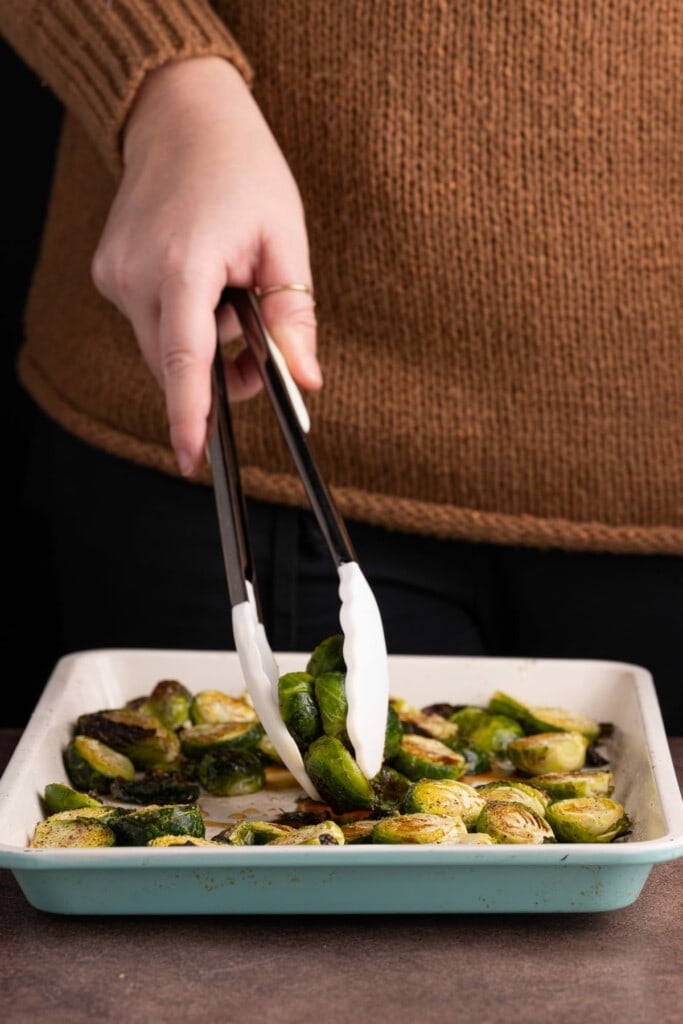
<point>364,648</point>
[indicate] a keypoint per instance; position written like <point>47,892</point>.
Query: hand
<point>206,199</point>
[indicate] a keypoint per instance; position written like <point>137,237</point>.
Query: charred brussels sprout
<point>253,833</point>
<point>328,656</point>
<point>59,797</point>
<point>393,735</point>
<point>588,819</point>
<point>197,740</point>
<point>508,822</point>
<point>547,752</point>
<point>298,707</point>
<point>425,724</point>
<point>231,772</point>
<point>448,797</point>
<point>156,787</point>
<point>92,765</point>
<point>563,785</point>
<point>330,696</point>
<point>327,833</point>
<point>535,718</point>
<point>137,828</point>
<point>419,828</point>
<point>390,788</point>
<point>142,738</point>
<point>73,832</point>
<point>169,701</point>
<point>180,841</point>
<point>336,775</point>
<point>356,832</point>
<point>421,757</point>
<point>212,707</point>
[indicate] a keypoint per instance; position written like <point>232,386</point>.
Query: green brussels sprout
<point>59,797</point>
<point>92,765</point>
<point>169,701</point>
<point>419,828</point>
<point>492,733</point>
<point>326,833</point>
<point>231,772</point>
<point>467,718</point>
<point>390,787</point>
<point>155,787</point>
<point>252,833</point>
<point>104,813</point>
<point>142,738</point>
<point>448,797</point>
<point>356,832</point>
<point>547,752</point>
<point>422,757</point>
<point>197,740</point>
<point>328,656</point>
<point>330,696</point>
<point>213,707</point>
<point>477,761</point>
<point>137,828</point>
<point>336,775</point>
<point>298,707</point>
<point>515,791</point>
<point>508,822</point>
<point>588,782</point>
<point>535,718</point>
<point>393,735</point>
<point>73,832</point>
<point>180,841</point>
<point>588,819</point>
<point>416,721</point>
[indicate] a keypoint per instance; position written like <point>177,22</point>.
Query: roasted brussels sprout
<point>92,765</point>
<point>59,797</point>
<point>515,791</point>
<point>422,757</point>
<point>72,832</point>
<point>328,656</point>
<point>492,734</point>
<point>142,738</point>
<point>360,831</point>
<point>336,775</point>
<point>416,721</point>
<point>137,828</point>
<point>169,701</point>
<point>393,735</point>
<point>213,707</point>
<point>449,797</point>
<point>197,740</point>
<point>545,752</point>
<point>541,719</point>
<point>298,708</point>
<point>231,772</point>
<point>390,787</point>
<point>252,833</point>
<point>588,819</point>
<point>508,822</point>
<point>155,787</point>
<point>326,833</point>
<point>419,828</point>
<point>467,718</point>
<point>330,696</point>
<point>563,785</point>
<point>180,841</point>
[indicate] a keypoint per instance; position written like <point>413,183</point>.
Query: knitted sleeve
<point>95,53</point>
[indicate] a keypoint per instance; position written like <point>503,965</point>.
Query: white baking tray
<point>354,879</point>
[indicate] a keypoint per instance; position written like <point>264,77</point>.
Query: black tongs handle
<point>330,522</point>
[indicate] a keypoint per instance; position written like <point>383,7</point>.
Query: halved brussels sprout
<point>326,833</point>
<point>328,656</point>
<point>197,740</point>
<point>336,775</point>
<point>588,782</point>
<point>231,772</point>
<point>467,718</point>
<point>477,761</point>
<point>393,735</point>
<point>449,797</point>
<point>545,752</point>
<point>298,707</point>
<point>252,833</point>
<point>213,707</point>
<point>419,828</point>
<point>515,791</point>
<point>535,718</point>
<point>104,813</point>
<point>73,832</point>
<point>508,822</point>
<point>390,787</point>
<point>422,757</point>
<point>155,787</point>
<point>493,733</point>
<point>330,696</point>
<point>424,724</point>
<point>92,765</point>
<point>180,841</point>
<point>59,797</point>
<point>142,738</point>
<point>169,701</point>
<point>137,828</point>
<point>588,819</point>
<point>360,831</point>
<point>266,748</point>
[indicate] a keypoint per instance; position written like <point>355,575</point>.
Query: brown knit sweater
<point>494,197</point>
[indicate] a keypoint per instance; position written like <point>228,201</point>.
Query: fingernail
<point>311,367</point>
<point>185,463</point>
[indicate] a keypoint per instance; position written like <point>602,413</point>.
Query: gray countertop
<point>622,965</point>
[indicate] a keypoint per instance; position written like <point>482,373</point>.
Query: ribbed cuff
<point>97,52</point>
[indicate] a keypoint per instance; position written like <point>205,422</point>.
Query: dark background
<point>32,118</point>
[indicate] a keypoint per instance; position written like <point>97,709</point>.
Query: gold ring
<point>262,292</point>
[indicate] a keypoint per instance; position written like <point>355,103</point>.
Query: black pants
<point>137,563</point>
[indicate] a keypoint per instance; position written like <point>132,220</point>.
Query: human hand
<point>206,199</point>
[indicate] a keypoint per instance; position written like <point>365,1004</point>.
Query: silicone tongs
<point>364,648</point>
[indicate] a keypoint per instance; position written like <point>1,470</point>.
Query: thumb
<point>289,314</point>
